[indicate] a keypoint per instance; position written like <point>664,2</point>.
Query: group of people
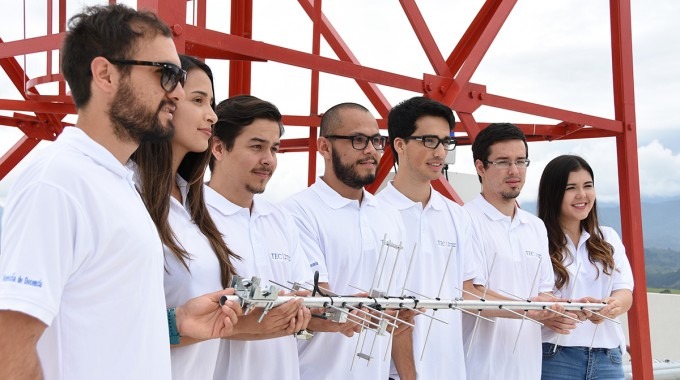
<point>135,248</point>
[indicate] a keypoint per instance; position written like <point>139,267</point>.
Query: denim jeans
<point>579,363</point>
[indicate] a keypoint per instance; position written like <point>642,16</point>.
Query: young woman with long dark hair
<point>170,179</point>
<point>589,261</point>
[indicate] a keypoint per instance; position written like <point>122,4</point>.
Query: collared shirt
<point>343,241</point>
<point>440,233</point>
<point>97,262</point>
<point>198,360</point>
<point>588,279</point>
<point>513,260</point>
<point>268,243</point>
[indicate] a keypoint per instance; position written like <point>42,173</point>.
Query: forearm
<point>402,355</point>
<point>18,354</point>
<point>481,292</point>
<point>251,336</point>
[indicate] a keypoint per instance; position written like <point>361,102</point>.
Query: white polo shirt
<point>94,271</point>
<point>195,361</point>
<point>522,268</point>
<point>342,240</point>
<point>434,230</point>
<point>593,282</point>
<point>268,244</point>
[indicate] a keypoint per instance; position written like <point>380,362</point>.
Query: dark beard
<point>133,122</point>
<point>347,174</point>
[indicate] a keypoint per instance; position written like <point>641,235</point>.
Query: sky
<point>555,53</point>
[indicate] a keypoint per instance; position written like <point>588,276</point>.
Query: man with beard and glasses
<point>342,227</point>
<point>247,135</point>
<point>512,259</point>
<point>85,298</point>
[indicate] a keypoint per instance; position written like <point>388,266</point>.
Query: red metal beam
<point>340,48</point>
<point>31,45</point>
<point>314,94</point>
<point>240,72</point>
<point>297,58</point>
<point>425,37</point>
<point>629,184</point>
<point>15,154</point>
<point>551,112</point>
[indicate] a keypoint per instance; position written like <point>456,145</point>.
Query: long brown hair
<point>550,194</point>
<point>154,162</point>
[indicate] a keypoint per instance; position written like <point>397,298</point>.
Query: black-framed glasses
<point>360,142</point>
<point>171,74</point>
<point>432,141</point>
<point>504,164</point>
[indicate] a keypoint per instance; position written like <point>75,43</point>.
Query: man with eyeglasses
<point>85,299</point>
<point>438,229</point>
<point>342,227</point>
<point>512,262</point>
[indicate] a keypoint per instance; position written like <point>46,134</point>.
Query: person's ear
<point>399,145</point>
<point>324,147</point>
<point>217,148</point>
<point>479,166</point>
<point>105,76</point>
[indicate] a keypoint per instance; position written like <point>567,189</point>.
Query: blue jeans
<point>579,363</point>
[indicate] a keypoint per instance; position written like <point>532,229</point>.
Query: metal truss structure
<point>41,116</point>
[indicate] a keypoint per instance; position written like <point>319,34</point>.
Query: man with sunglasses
<point>85,298</point>
<point>342,227</point>
<point>438,231</point>
<point>512,258</point>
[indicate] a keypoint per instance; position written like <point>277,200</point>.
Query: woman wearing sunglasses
<point>170,179</point>
<point>589,262</point>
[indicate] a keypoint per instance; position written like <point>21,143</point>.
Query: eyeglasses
<point>360,142</point>
<point>171,74</point>
<point>504,164</point>
<point>432,141</point>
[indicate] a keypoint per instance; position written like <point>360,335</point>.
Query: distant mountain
<point>660,221</point>
<point>662,267</point>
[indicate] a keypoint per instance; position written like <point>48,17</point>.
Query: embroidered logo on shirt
<point>22,280</point>
<point>533,254</point>
<point>280,256</point>
<point>447,244</point>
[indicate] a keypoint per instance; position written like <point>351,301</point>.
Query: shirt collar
<point>402,202</point>
<point>81,141</point>
<point>336,201</point>
<point>227,208</point>
<point>492,212</point>
<point>219,203</point>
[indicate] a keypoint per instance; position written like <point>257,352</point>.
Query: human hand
<point>276,321</point>
<point>561,324</point>
<point>203,318</point>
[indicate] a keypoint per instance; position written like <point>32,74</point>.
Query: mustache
<point>264,169</point>
<point>373,160</point>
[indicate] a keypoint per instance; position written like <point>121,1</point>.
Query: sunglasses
<point>171,74</point>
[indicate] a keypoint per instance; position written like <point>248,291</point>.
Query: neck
<point>572,228</point>
<point>417,191</point>
<point>342,189</point>
<point>96,124</point>
<point>226,188</point>
<point>177,158</point>
<point>505,206</point>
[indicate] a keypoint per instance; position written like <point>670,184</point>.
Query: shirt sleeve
<point>623,274</point>
<point>547,277</point>
<point>43,233</point>
<point>301,270</point>
<point>309,238</point>
<point>476,257</point>
<point>470,248</point>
